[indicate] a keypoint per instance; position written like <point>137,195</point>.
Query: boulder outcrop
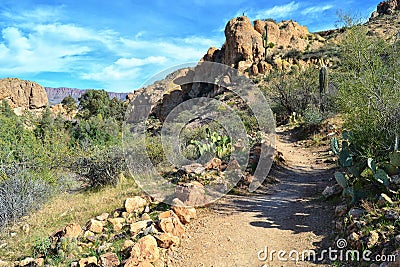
<point>244,47</point>
<point>22,95</point>
<point>388,7</point>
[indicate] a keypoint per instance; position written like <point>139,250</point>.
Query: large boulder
<point>161,97</point>
<point>22,95</point>
<point>243,42</point>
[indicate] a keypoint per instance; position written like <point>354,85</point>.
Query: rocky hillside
<point>243,50</point>
<point>56,95</point>
<point>22,95</point>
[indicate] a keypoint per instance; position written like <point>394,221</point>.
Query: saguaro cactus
<point>265,41</point>
<point>323,84</point>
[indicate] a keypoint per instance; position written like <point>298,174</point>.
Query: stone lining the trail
<point>143,241</point>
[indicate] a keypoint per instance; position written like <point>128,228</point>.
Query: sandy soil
<point>291,215</point>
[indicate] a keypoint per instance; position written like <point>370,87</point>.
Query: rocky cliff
<point>56,95</point>
<point>22,95</point>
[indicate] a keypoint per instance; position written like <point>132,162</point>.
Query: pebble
<point>392,215</point>
<point>356,213</point>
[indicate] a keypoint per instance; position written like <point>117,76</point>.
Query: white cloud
<point>16,41</point>
<point>276,12</point>
<point>186,49</point>
<point>316,9</point>
<point>199,40</point>
<point>137,62</point>
<point>123,72</point>
<point>39,14</point>
<point>33,45</point>
<point>40,50</point>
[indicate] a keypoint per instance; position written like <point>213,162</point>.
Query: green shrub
<point>295,92</point>
<point>97,102</point>
<point>312,117</point>
<point>369,94</point>
<point>191,152</point>
<point>154,149</point>
<point>96,131</point>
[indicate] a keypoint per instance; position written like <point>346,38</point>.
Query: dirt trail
<point>287,216</point>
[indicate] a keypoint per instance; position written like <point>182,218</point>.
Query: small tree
<point>93,103</point>
<point>117,109</point>
<point>69,104</point>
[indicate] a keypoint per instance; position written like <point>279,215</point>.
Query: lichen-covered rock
<point>138,226</point>
<point>191,194</point>
<point>181,210</point>
<point>88,261</point>
<point>117,223</point>
<point>166,240</point>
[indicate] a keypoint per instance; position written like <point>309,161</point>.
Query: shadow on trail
<point>294,204</point>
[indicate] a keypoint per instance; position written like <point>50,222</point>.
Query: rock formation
<point>22,95</point>
<point>244,48</point>
<point>388,7</point>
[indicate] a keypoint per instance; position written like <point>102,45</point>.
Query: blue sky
<point>118,45</point>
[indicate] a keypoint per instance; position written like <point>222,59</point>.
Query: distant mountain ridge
<point>56,95</point>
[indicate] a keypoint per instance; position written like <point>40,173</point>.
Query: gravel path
<point>288,216</point>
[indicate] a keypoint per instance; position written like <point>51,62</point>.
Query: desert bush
<point>103,168</point>
<point>19,194</point>
<point>154,149</point>
<point>298,92</point>
<point>295,92</point>
<point>312,117</point>
<point>369,92</point>
<point>191,152</point>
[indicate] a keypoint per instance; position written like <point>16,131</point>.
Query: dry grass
<point>61,210</point>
